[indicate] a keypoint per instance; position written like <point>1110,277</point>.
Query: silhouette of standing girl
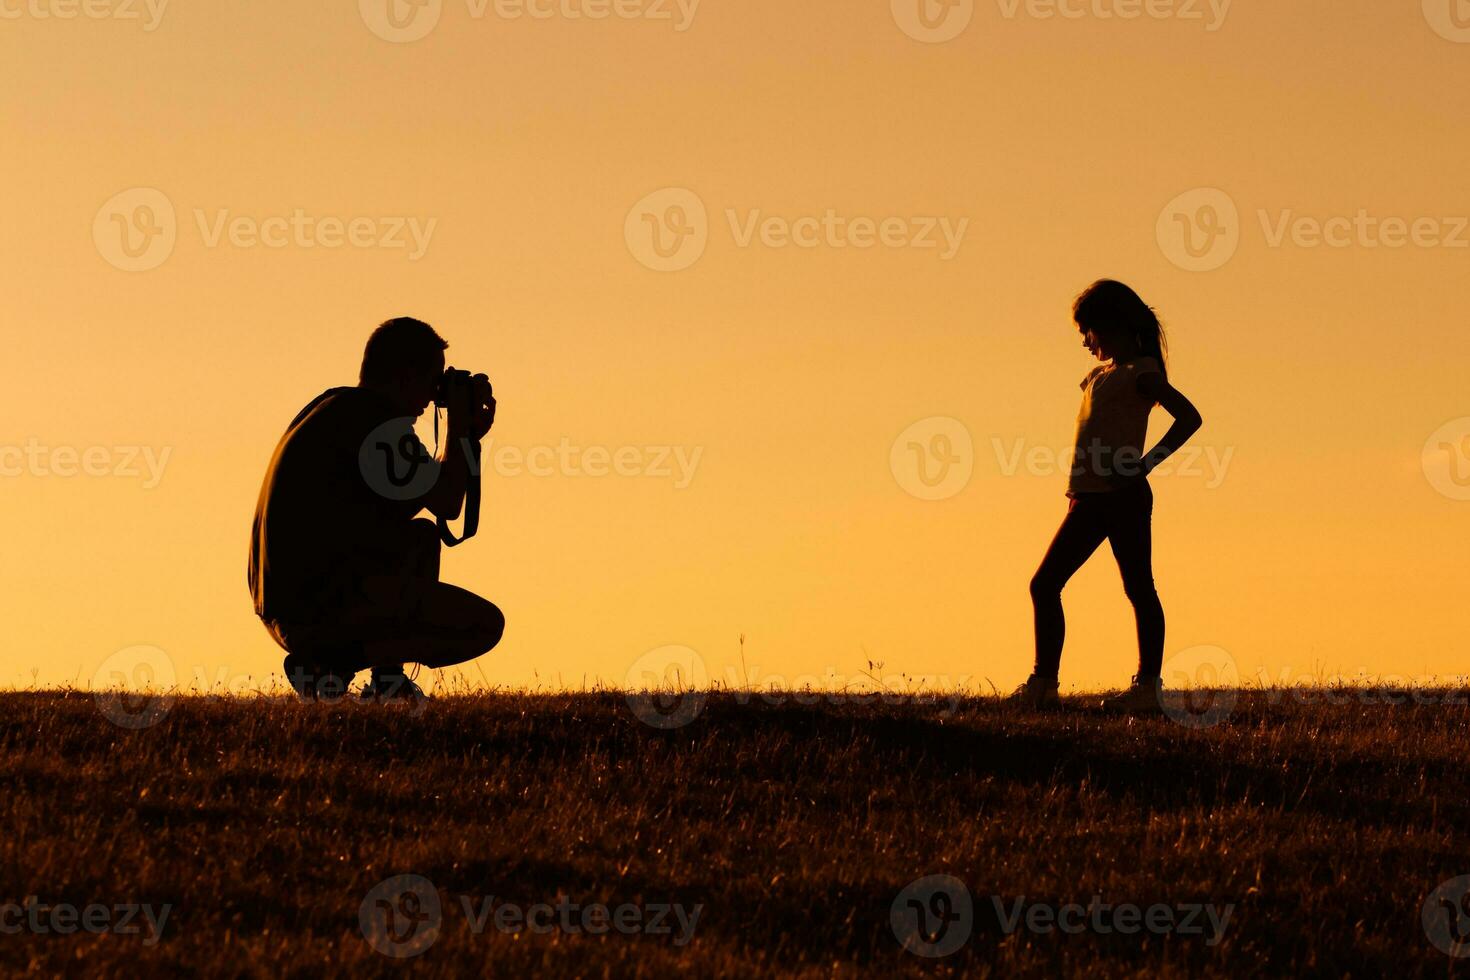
<point>1109,493</point>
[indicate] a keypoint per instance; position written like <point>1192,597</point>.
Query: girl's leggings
<point>1123,518</point>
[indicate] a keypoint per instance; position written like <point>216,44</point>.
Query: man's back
<point>317,515</point>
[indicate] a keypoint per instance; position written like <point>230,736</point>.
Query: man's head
<point>404,360</point>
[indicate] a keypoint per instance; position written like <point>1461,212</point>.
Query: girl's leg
<point>1131,536</point>
<point>1081,532</point>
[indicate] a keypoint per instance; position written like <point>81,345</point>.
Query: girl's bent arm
<point>1187,419</point>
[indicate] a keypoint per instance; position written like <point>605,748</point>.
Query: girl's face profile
<point>1094,343</point>
<point>1103,341</point>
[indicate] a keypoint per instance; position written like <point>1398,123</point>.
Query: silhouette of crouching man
<point>344,574</point>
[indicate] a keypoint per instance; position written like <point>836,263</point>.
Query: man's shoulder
<point>344,406</point>
<point>353,398</point>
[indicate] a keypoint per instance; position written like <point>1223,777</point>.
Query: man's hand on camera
<point>483,401</point>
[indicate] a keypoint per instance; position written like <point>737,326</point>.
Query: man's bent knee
<point>475,633</point>
<point>490,628</point>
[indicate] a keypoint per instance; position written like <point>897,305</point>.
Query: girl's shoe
<point>1037,694</point>
<point>1143,697</point>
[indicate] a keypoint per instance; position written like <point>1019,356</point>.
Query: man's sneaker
<point>1143,697</point>
<point>1036,694</point>
<point>392,685</point>
<point>313,683</point>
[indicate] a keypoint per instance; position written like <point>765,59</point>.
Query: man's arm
<point>446,497</point>
<point>471,414</point>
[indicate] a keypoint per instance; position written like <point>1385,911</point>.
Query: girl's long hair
<point>1109,308</point>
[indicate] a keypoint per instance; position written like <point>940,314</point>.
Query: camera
<point>476,387</point>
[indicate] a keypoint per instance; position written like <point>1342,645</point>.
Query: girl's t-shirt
<point>1111,426</point>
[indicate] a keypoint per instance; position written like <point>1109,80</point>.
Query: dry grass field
<point>559,834</point>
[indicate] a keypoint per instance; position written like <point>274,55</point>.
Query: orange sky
<point>892,228</point>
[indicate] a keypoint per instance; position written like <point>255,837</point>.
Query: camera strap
<point>471,495</point>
